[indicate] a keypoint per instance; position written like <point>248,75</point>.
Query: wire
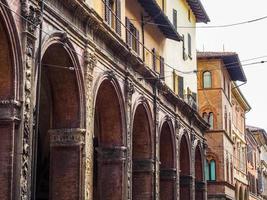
<point>174,69</point>
<point>211,26</point>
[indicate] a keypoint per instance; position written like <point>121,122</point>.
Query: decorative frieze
<point>67,137</point>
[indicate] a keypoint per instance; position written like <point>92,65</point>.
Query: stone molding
<point>147,165</point>
<point>168,174</point>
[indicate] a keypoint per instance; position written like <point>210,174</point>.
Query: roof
<point>231,62</point>
<point>159,17</point>
<point>255,130</point>
<point>199,11</point>
<point>241,98</point>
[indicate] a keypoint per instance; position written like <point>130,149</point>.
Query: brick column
<point>200,188</point>
<point>65,163</point>
<point>111,174</point>
<point>186,187</point>
<point>167,184</point>
<point>143,171</point>
<point>9,116</point>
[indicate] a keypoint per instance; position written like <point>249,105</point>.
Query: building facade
<point>218,101</point>
<point>85,112</point>
<point>261,138</point>
<point>253,166</point>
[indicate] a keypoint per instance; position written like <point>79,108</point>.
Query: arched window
<point>210,170</point>
<point>211,120</point>
<point>207,79</point>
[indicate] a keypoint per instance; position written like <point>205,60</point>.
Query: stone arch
<point>199,172</point>
<point>185,178</point>
<point>61,133</point>
<point>109,140</point>
<point>142,152</point>
<point>11,73</point>
<point>167,161</point>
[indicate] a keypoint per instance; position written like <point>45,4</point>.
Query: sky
<point>248,40</point>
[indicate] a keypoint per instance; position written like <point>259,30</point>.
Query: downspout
<point>37,108</point>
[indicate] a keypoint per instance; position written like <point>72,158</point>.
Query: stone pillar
<point>33,16</point>
<point>66,147</point>
<point>129,90</point>
<point>90,62</point>
<point>9,119</point>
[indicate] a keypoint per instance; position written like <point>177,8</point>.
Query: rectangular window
<point>132,36</point>
<point>181,86</point>
<point>113,14</point>
<point>174,16</point>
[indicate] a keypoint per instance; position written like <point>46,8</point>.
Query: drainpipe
<point>155,91</point>
<point>37,108</point>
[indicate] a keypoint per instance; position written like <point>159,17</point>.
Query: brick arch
<point>60,117</point>
<point>11,72</point>
<point>142,152</point>
<point>109,145</point>
<point>184,167</point>
<point>167,161</point>
<point>199,173</point>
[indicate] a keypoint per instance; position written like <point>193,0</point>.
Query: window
<point>174,16</point>
<point>207,79</point>
<point>209,118</point>
<point>189,45</point>
<point>132,36</point>
<point>210,170</point>
<point>113,14</point>
<point>178,85</point>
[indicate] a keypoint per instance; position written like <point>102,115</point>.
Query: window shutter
<point>137,42</point>
<point>128,34</point>
<point>118,16</point>
<point>107,11</point>
<point>175,82</point>
<point>181,86</point>
<point>189,45</point>
<point>174,18</point>
<point>154,59</point>
<point>162,72</point>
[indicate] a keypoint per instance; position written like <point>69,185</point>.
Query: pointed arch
<point>109,140</point>
<point>142,151</point>
<point>185,167</point>
<point>167,161</point>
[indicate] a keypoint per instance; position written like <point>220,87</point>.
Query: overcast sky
<point>249,41</point>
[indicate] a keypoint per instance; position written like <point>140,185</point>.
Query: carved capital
<point>129,87</point>
<point>67,137</point>
<point>10,110</point>
<point>90,60</point>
